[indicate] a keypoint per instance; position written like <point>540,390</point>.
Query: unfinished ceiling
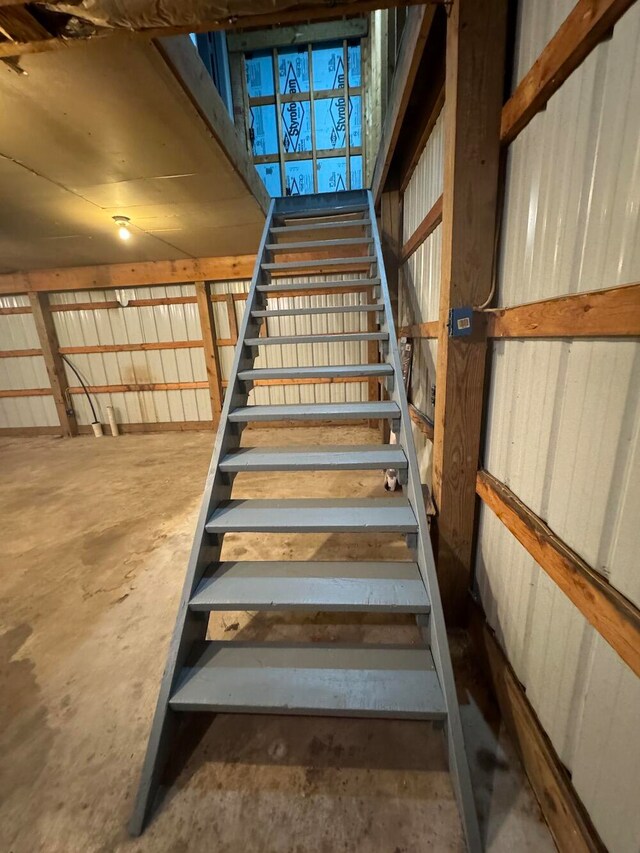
<point>108,129</point>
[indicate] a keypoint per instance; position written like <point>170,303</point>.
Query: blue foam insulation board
<point>270,174</point>
<point>296,126</point>
<point>259,74</point>
<point>264,132</point>
<point>299,177</point>
<point>328,67</point>
<point>293,70</point>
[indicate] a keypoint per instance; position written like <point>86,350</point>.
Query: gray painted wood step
<point>314,515</point>
<point>327,586</point>
<point>328,371</point>
<point>330,680</point>
<point>315,212</point>
<point>310,226</point>
<point>332,338</point>
<point>319,244</point>
<point>317,411</point>
<point>334,309</point>
<point>347,284</point>
<point>284,266</point>
<point>341,457</point>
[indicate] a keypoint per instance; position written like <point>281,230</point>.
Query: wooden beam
<point>611,614</point>
<point>601,313</point>
<point>350,28</point>
<point>17,309</point>
<point>53,361</point>
<point>30,432</point>
<point>420,330</point>
<point>426,227</point>
<point>567,818</point>
<point>211,355</point>
<point>157,273</point>
<point>26,392</point>
<point>391,239</point>
<point>421,421</point>
<point>588,23</point>
<point>414,38</point>
<point>20,353</point>
<point>233,319</point>
<point>476,35</point>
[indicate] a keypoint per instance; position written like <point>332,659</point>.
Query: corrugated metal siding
<point>134,325</point>
<point>420,282</point>
<point>571,218</point>
<point>564,416</point>
<point>538,21</point>
<point>18,331</point>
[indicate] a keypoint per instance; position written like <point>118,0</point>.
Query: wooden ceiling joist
<point>238,16</point>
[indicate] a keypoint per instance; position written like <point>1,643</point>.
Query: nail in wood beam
<point>53,361</point>
<point>211,355</point>
<point>476,36</point>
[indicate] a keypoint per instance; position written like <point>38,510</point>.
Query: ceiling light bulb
<point>123,224</point>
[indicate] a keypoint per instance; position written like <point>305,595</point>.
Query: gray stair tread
<point>318,262</point>
<point>331,586</point>
<point>315,212</point>
<point>301,312</point>
<point>330,338</point>
<point>318,285</point>
<point>324,458</point>
<point>333,680</point>
<point>311,515</point>
<point>316,411</point>
<point>321,372</point>
<point>310,226</point>
<point>318,244</point>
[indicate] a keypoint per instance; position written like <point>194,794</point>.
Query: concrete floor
<point>95,536</point>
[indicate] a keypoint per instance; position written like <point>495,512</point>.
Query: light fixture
<point>123,223</point>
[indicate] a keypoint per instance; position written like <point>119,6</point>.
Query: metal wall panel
<point>538,21</point>
<point>563,416</point>
<point>419,295</point>
<point>425,186</point>
<point>573,189</point>
<point>18,331</point>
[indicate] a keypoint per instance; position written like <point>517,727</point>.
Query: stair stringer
<point>423,555</point>
<point>191,626</point>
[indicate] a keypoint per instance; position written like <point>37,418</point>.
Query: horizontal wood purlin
<point>421,421</point>
<point>26,392</point>
<point>30,432</point>
<point>600,313</point>
<point>426,227</point>
<point>20,353</point>
<point>19,309</point>
<point>158,426</point>
<point>565,814</point>
<point>158,273</point>
<point>611,614</point>
<point>419,330</point>
<point>588,23</point>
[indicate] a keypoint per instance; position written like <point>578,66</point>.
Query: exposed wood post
<point>53,361</point>
<point>233,320</point>
<point>211,356</point>
<point>474,86</point>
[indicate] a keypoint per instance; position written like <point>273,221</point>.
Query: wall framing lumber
<point>424,230</point>
<point>475,59</point>
<point>211,354</point>
<point>26,392</point>
<point>614,312</point>
<point>567,818</point>
<point>53,361</point>
<point>588,23</point>
<point>412,44</point>
<point>32,432</point>
<point>20,353</point>
<point>420,330</point>
<point>350,28</point>
<point>156,273</point>
<point>615,618</point>
<point>421,422</point>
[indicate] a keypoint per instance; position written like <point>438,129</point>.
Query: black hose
<point>84,388</point>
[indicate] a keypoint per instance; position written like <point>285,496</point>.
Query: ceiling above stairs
<point>109,129</point>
